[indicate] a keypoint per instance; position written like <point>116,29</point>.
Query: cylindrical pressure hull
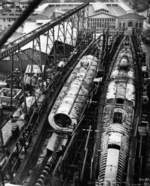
<point>73,96</point>
<point>117,119</point>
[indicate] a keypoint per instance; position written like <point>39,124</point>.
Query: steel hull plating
<point>71,101</point>
<point>117,119</point>
<point>73,96</point>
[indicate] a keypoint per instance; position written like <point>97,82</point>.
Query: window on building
<point>104,24</point>
<point>136,25</point>
<point>98,23</point>
<point>119,25</point>
<point>140,25</point>
<point>117,117</point>
<point>130,24</point>
<point>124,25</point>
<point>107,24</point>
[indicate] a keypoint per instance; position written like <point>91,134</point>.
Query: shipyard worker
<point>1,110</point>
<point>124,64</point>
<point>12,118</point>
<point>23,143</point>
<point>44,85</point>
<point>17,77</point>
<point>40,82</point>
<point>48,82</point>
<point>34,80</point>
<point>17,147</point>
<point>15,131</point>
<point>17,113</point>
<point>60,65</point>
<point>27,81</point>
<point>17,71</point>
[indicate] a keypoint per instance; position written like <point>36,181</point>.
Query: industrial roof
<point>36,17</point>
<point>27,1</point>
<point>65,3</point>
<point>41,8</point>
<point>124,6</point>
<point>98,5</point>
<point>102,15</point>
<point>132,15</point>
<point>116,10</point>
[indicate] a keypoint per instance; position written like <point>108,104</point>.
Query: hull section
<point>117,119</point>
<point>73,96</point>
<point>71,102</point>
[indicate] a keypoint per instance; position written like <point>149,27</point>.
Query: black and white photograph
<point>74,92</point>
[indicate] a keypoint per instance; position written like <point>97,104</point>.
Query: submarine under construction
<point>83,117</point>
<point>118,116</point>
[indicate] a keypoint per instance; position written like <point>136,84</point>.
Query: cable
<point>33,4</point>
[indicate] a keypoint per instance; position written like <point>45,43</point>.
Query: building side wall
<point>101,23</point>
<point>126,24</point>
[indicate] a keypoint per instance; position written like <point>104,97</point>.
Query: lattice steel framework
<point>65,29</point>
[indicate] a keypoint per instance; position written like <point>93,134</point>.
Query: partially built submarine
<point>71,101</point>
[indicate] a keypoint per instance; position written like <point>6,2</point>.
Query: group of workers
<point>33,81</point>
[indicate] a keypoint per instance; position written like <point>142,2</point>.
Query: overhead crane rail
<point>22,41</point>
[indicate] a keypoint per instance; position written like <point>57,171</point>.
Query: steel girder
<point>64,28</point>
